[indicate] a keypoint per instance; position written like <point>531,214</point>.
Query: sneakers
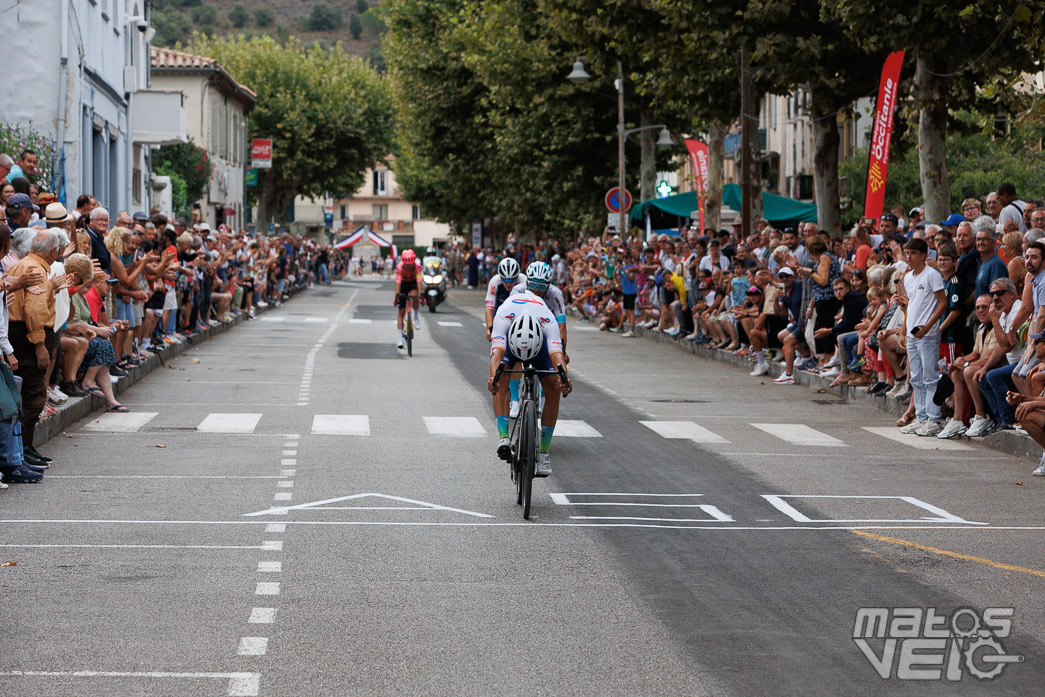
<point>835,361</point>
<point>929,428</point>
<point>900,391</point>
<point>504,448</point>
<point>760,369</point>
<point>831,372</point>
<point>544,465</point>
<point>953,428</point>
<point>57,395</point>
<point>513,411</point>
<point>673,332</point>
<point>980,426</point>
<point>784,379</point>
<point>21,475</point>
<point>806,364</point>
<point>878,386</point>
<point>857,363</point>
<point>912,427</point>
<point>1040,472</point>
<point>628,335</point>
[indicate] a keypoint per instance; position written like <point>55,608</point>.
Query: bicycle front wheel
<point>527,453</point>
<point>409,335</point>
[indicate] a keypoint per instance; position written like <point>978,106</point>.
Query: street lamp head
<point>578,74</point>
<point>664,140</point>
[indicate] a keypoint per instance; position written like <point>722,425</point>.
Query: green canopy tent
<point>778,210</point>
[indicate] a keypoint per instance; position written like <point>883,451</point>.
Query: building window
<point>380,211</point>
<point>416,212</point>
<point>342,212</point>
<point>380,183</point>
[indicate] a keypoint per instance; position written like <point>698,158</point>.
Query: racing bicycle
<point>525,434</point>
<point>408,327</point>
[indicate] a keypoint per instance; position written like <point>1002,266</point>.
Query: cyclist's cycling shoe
<point>400,344</point>
<point>513,411</point>
<point>544,465</point>
<point>504,449</point>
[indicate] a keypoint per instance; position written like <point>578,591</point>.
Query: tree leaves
<point>329,114</point>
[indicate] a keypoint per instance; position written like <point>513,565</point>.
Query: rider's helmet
<point>508,269</point>
<point>538,275</point>
<point>525,337</point>
<point>409,257</point>
<point>430,252</point>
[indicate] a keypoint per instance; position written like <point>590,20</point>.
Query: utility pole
<point>745,145</point>
<point>620,150</point>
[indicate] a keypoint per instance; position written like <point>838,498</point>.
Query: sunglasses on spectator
<point>996,293</point>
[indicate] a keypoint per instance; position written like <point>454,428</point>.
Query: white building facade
<point>216,108</point>
<point>85,68</point>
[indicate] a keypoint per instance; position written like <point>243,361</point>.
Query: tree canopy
<point>329,115</point>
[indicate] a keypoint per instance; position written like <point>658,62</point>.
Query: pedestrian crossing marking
<point>919,442</point>
<point>683,429</point>
<point>316,320</point>
<point>115,422</point>
<point>340,425</point>
<point>461,426</point>
<point>450,324</point>
<point>355,320</point>
<point>571,428</point>
<point>800,434</point>
<point>229,423</point>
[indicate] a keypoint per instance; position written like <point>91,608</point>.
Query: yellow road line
<point>947,553</point>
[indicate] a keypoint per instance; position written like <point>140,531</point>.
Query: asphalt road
<point>297,508</point>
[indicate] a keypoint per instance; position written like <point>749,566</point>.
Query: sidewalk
<point>1008,442</point>
<point>81,407</point>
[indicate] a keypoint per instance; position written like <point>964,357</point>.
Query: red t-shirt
<point>862,254</point>
<point>94,303</point>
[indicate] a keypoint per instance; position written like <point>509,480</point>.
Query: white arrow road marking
<point>322,506</point>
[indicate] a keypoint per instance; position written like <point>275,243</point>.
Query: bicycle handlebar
<point>559,370</point>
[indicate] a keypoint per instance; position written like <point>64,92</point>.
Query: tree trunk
<point>648,159</point>
<point>825,171</point>
<point>713,202</point>
<point>932,142</point>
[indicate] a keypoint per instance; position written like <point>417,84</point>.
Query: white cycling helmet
<point>525,337</point>
<point>539,272</point>
<point>508,269</point>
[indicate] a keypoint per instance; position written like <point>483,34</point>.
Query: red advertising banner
<point>878,160</point>
<point>698,153</point>
<point>261,153</point>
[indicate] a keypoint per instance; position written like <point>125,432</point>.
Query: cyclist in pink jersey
<point>408,289</point>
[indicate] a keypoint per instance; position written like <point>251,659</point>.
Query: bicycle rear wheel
<point>527,453</point>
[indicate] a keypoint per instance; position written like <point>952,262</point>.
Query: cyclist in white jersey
<point>501,285</point>
<point>512,320</point>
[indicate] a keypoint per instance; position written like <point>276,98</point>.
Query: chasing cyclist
<point>524,329</point>
<point>408,288</point>
<point>501,285</point>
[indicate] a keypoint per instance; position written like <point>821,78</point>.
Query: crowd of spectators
<point>86,297</point>
<point>945,316</point>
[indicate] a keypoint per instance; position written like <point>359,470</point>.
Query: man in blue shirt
<point>991,265</point>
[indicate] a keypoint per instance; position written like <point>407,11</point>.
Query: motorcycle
<point>433,280</point>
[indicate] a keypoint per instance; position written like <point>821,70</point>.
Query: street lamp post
<point>578,76</point>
